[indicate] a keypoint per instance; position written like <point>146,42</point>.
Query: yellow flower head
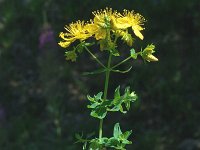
<point>106,26</point>
<point>75,31</point>
<point>130,19</point>
<point>101,23</point>
<point>102,18</point>
<point>94,29</point>
<point>147,53</point>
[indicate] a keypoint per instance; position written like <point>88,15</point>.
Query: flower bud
<point>147,53</point>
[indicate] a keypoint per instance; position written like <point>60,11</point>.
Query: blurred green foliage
<point>42,97</point>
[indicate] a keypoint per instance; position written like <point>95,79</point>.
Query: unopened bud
<point>151,58</point>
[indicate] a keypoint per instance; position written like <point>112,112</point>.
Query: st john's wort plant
<point>105,29</point>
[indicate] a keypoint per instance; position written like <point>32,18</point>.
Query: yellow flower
<point>147,53</point>
<point>130,19</point>
<point>102,18</point>
<point>94,29</point>
<point>101,24</point>
<point>75,31</point>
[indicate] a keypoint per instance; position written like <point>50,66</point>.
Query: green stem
<point>100,128</point>
<point>116,37</point>
<point>95,58</point>
<point>121,62</point>
<point>107,77</point>
<point>105,93</point>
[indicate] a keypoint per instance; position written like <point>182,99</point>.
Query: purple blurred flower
<point>46,36</point>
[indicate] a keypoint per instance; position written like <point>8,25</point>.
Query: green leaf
<point>117,96</point>
<point>103,140</point>
<point>94,145</point>
<point>119,101</point>
<point>99,112</point>
<point>118,141</point>
<point>99,106</point>
<point>117,104</point>
<point>106,103</point>
<point>98,96</point>
<point>117,131</point>
<point>129,96</point>
<point>126,142</point>
<point>127,134</point>
<point>112,142</point>
<point>117,92</point>
<point>90,98</point>
<point>115,108</point>
<point>122,110</point>
<point>114,52</point>
<point>94,105</point>
<point>120,71</point>
<point>94,72</point>
<point>127,105</point>
<point>133,54</point>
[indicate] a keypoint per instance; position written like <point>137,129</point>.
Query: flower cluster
<point>106,27</point>
<point>104,23</point>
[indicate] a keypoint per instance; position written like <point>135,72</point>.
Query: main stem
<point>105,93</point>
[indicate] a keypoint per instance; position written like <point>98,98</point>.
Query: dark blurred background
<point>42,96</point>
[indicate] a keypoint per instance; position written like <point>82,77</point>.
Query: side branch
<point>95,58</point>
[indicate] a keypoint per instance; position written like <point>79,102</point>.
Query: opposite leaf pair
<point>118,141</point>
<point>100,107</point>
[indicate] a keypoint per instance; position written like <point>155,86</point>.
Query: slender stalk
<point>95,58</point>
<point>116,37</point>
<point>107,77</point>
<point>121,62</point>
<point>105,93</point>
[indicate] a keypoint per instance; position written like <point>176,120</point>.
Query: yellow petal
<point>91,28</point>
<point>64,44</point>
<point>123,23</point>
<point>62,35</point>
<point>138,33</point>
<point>120,23</point>
<point>101,34</point>
<point>151,58</point>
